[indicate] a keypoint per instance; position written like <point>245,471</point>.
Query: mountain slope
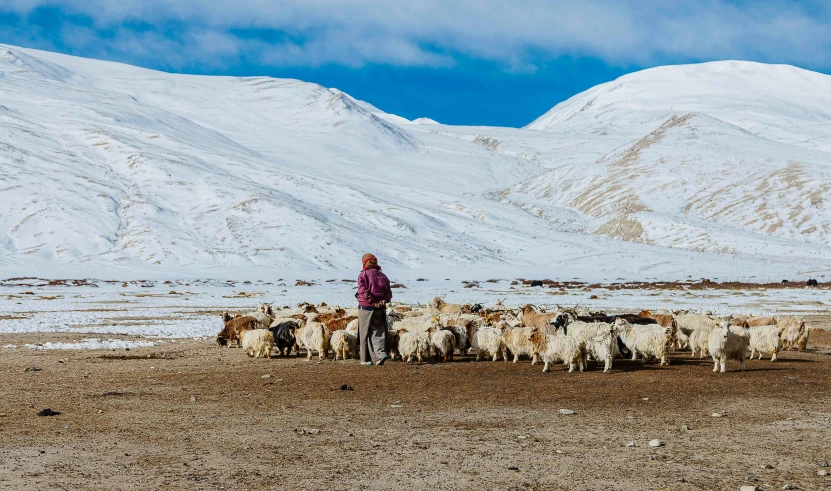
<point>727,157</point>
<point>114,170</point>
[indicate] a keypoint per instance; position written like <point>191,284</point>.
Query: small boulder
<point>716,415</point>
<point>32,369</point>
<point>656,443</point>
<point>48,412</point>
<point>567,412</point>
<point>749,488</point>
<point>822,473</point>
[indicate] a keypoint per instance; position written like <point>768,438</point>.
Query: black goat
<point>284,336</point>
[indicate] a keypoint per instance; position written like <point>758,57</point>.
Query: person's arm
<point>381,291</point>
<point>387,290</point>
<point>363,294</point>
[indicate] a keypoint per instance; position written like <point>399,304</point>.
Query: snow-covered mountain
<point>112,170</point>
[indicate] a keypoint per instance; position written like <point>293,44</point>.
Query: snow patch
<point>92,343</point>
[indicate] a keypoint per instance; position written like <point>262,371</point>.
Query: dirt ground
<point>190,415</point>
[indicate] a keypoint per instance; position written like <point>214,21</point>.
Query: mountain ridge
<point>117,170</point>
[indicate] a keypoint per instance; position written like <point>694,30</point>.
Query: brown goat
<point>665,320</point>
<point>439,306</point>
<point>339,324</point>
<point>531,318</point>
<point>761,321</point>
<point>232,332</point>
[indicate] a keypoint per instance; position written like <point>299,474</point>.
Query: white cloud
<point>516,35</point>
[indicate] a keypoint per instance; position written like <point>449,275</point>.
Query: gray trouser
<point>372,333</point>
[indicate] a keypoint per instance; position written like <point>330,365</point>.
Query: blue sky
<point>483,62</point>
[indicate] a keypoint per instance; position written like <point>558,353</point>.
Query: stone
<point>750,477</point>
<point>48,412</point>
<point>680,479</point>
<point>31,369</point>
<point>656,443</point>
<point>307,431</point>
<point>266,376</point>
<point>767,466</point>
<point>567,412</point>
<point>631,444</point>
<point>824,463</point>
<point>685,428</point>
<point>749,488</point>
<point>716,415</point>
<point>822,473</point>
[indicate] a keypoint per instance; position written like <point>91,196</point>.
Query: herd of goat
<point>569,335</point>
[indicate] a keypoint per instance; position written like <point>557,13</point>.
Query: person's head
<point>369,261</point>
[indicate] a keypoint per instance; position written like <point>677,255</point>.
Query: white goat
<point>647,340</point>
<point>518,342</point>
<point>765,339</point>
<point>728,343</point>
<point>792,329</point>
<point>443,342</point>
<point>488,341</point>
<point>598,339</point>
<point>344,343</point>
<point>697,327</point>
<point>258,343</point>
<point>316,338</point>
<point>413,344</point>
<point>554,348</point>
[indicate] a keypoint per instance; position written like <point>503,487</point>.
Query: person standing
<point>373,295</point>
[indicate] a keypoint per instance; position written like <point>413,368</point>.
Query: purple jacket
<point>373,286</point>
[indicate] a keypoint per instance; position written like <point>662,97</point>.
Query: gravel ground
<point>190,415</point>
